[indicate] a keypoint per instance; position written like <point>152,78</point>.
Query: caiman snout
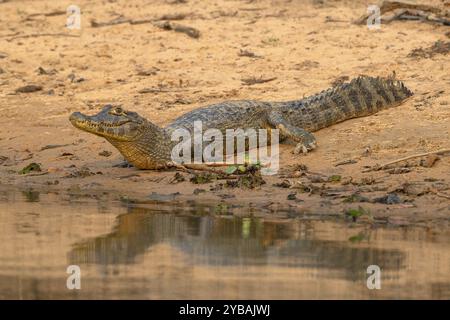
<point>77,117</point>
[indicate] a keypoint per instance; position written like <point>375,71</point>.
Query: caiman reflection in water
<point>230,241</point>
<point>197,251</point>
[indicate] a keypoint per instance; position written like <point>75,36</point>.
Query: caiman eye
<point>118,111</point>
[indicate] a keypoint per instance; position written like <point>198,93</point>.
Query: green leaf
<point>29,168</point>
<point>203,177</point>
<point>355,212</point>
<point>334,178</point>
<point>231,170</point>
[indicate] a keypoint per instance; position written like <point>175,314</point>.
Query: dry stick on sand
<point>377,168</point>
<point>252,81</point>
<point>191,32</point>
<point>46,14</point>
<point>35,35</point>
<point>121,20</point>
<point>246,53</point>
<point>409,11</point>
<point>408,14</point>
<point>159,90</point>
<point>166,25</point>
<point>191,168</point>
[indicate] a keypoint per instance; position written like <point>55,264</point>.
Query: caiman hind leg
<point>305,141</point>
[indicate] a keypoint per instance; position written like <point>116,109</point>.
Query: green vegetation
<point>32,167</point>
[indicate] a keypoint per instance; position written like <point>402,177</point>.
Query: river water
<point>166,251</point>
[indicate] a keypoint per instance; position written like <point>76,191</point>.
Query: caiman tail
<point>360,97</point>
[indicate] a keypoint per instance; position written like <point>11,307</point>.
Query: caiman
<point>148,146</point>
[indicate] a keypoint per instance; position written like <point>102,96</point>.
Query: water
<point>173,252</point>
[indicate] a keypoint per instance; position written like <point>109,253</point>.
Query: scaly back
<point>360,97</point>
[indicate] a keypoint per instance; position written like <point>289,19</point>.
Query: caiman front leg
<point>304,139</point>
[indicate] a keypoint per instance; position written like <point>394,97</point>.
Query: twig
<point>246,53</point>
<point>191,32</point>
<point>426,12</point>
<point>35,35</point>
<point>159,90</point>
<point>95,24</point>
<point>53,146</point>
<point>46,14</point>
<point>331,19</point>
<point>252,9</point>
<point>396,15</point>
<point>344,162</point>
<point>252,81</point>
<point>121,20</point>
<point>166,25</point>
<point>218,165</point>
<point>421,15</point>
<point>377,168</point>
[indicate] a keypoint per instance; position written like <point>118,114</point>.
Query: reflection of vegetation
<point>221,208</point>
<point>31,195</point>
<point>358,237</point>
<point>246,224</point>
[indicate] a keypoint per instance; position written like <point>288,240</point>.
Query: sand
<point>305,45</point>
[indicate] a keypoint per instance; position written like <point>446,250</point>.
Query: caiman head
<point>142,143</point>
<point>112,123</point>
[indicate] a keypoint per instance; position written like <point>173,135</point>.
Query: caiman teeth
<point>109,125</point>
<point>93,124</point>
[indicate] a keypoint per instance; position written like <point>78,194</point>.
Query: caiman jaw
<point>104,129</point>
<point>112,123</point>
